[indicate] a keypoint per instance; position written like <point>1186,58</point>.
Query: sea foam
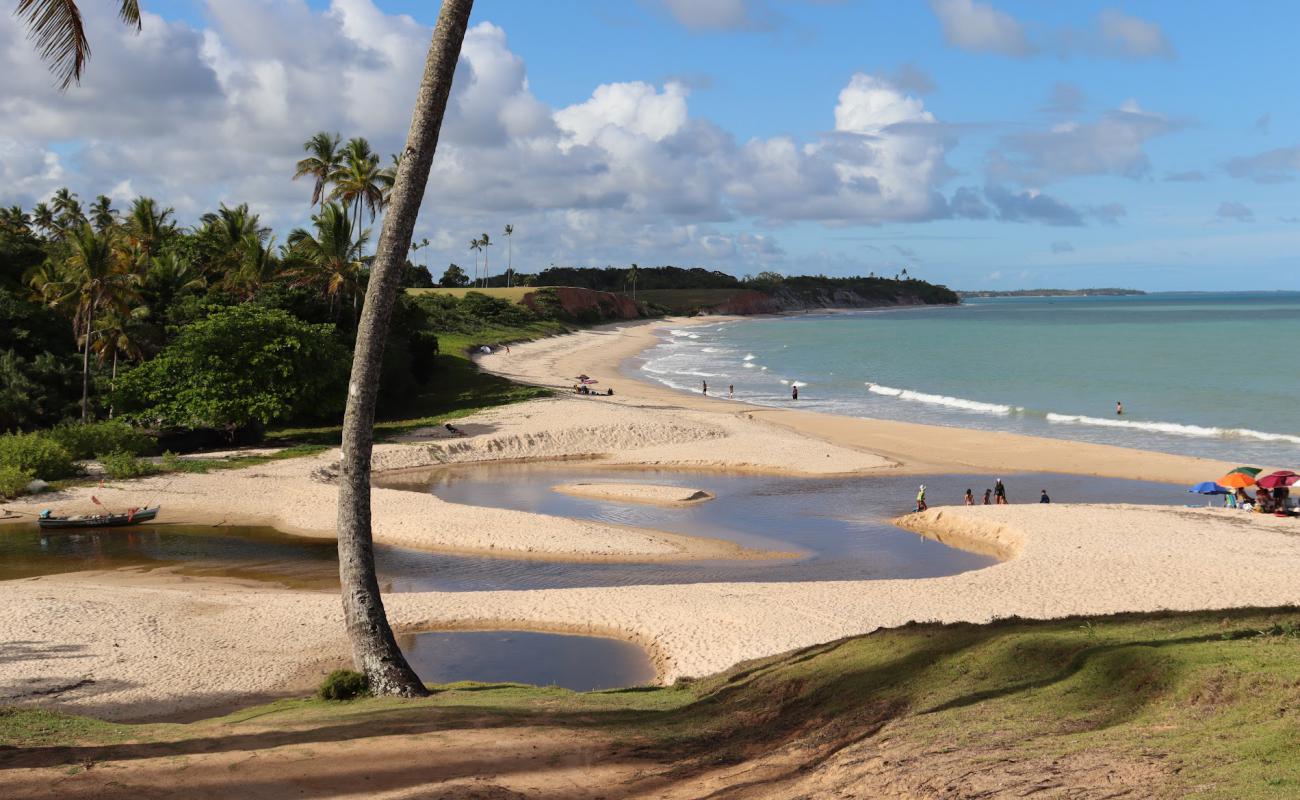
<point>943,400</point>
<point>1177,429</point>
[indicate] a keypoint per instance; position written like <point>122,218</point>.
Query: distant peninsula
<point>1105,292</point>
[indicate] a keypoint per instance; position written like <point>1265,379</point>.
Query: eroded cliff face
<point>754,302</point>
<point>583,305</point>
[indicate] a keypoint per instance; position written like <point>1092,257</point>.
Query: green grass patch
<point>1211,696</point>
<point>514,294</point>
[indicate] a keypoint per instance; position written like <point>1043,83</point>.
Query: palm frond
<point>55,27</point>
<point>129,13</point>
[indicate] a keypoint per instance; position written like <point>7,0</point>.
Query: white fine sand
<point>129,645</point>
<point>647,493</point>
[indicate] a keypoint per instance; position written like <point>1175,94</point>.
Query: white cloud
<point>1124,35</point>
<point>981,28</point>
<point>200,116</point>
<point>1112,145</point>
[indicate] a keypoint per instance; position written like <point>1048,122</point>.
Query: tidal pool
<point>580,663</point>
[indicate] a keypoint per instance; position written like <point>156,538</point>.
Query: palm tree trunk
<point>85,365</point>
<point>374,648</point>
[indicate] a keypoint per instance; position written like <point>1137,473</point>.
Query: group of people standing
<point>995,496</point>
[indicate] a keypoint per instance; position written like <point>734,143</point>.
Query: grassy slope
<point>514,293</point>
<point>1208,697</point>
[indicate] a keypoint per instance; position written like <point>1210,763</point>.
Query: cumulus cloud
<point>1235,212</point>
<point>1112,145</point>
<point>980,28</point>
<point>200,116</point>
<point>1272,166</point>
<point>966,203</point>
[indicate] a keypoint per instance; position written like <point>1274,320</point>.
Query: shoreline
<point>910,447</point>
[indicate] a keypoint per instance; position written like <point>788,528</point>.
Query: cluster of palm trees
<point>480,245</point>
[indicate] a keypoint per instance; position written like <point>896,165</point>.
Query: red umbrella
<point>1283,477</point>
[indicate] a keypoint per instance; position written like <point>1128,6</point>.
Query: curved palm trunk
<point>374,648</point>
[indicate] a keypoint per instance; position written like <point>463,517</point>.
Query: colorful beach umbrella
<point>1237,480</point>
<point>1208,487</point>
<point>1247,471</point>
<point>1273,480</point>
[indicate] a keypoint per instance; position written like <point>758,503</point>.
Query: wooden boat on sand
<point>132,517</point>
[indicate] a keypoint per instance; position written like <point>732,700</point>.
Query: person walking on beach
<point>731,391</point>
<point>987,493</point>
<point>920,499</point>
<point>1119,408</point>
<point>794,392</point>
<point>705,386</point>
<point>970,498</point>
<point>1043,498</point>
<point>1000,493</point>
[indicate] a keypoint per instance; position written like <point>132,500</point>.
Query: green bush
<point>344,684</point>
<point>91,439</point>
<point>240,367</point>
<point>36,453</point>
<point>13,481</point>
<point>125,465</point>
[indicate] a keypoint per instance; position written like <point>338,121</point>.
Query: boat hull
<point>99,521</point>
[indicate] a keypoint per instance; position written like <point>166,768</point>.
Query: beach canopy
<point>1249,472</point>
<point>1237,480</point>
<point>582,377</point>
<point>1208,487</point>
<point>1274,480</point>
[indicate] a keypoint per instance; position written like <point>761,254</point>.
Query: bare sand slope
<point>128,646</point>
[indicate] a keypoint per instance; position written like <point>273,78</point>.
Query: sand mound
<point>648,493</point>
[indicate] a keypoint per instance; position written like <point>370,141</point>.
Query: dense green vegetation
<point>1205,697</point>
<point>213,334</point>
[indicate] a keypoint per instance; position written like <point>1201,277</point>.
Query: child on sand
<point>970,498</point>
<point>987,494</point>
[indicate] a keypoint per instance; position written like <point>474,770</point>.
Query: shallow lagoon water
<point>839,527</point>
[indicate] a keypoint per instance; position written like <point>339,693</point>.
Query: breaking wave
<point>943,400</point>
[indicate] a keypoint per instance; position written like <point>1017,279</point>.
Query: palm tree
<point>485,243</point>
<point>102,213</point>
<point>67,208</point>
<point>55,28</point>
<point>510,254</point>
<point>331,258</point>
<point>323,161</point>
<point>476,246</point>
<point>146,226</point>
<point>43,217</point>
<point>168,276</point>
<point>97,277</point>
<point>359,181</point>
<point>15,220</point>
<point>631,278</point>
<point>374,648</point>
<point>230,232</point>
<point>387,176</point>
<point>115,335</point>
<point>257,266</point>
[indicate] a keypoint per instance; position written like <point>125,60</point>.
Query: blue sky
<point>981,144</point>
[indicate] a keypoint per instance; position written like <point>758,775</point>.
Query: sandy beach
<point>132,645</point>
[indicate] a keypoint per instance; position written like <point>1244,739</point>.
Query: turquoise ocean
<point>1215,375</point>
